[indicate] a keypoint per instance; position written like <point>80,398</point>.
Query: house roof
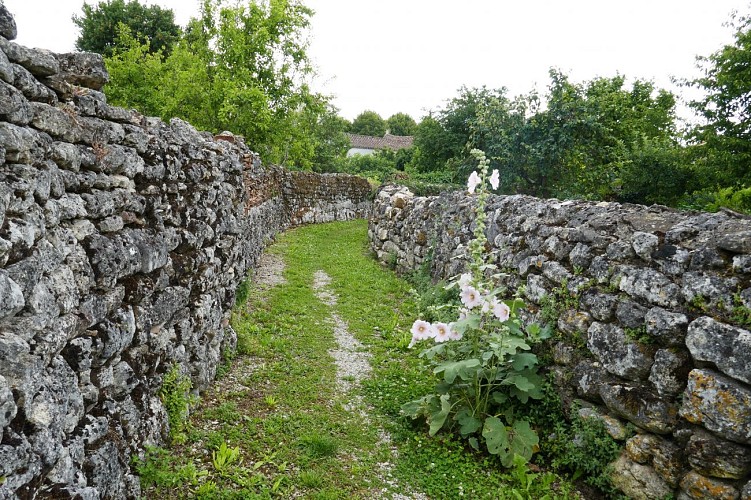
<point>388,141</point>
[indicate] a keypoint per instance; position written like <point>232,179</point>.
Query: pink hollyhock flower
<point>470,297</point>
<point>501,311</point>
<point>442,332</point>
<point>453,334</point>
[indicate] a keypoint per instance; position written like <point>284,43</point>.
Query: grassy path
<point>283,422</point>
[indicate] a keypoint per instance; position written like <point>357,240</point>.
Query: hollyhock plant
<point>483,360</point>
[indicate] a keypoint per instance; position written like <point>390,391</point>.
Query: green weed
<point>177,399</point>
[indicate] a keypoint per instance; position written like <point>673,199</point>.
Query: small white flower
<point>442,332</point>
<point>501,311</point>
<point>421,330</point>
<point>465,279</point>
<point>486,306</point>
<point>470,297</point>
<point>453,334</point>
<point>495,179</point>
<point>463,314</point>
<point>473,182</point>
<point>489,304</point>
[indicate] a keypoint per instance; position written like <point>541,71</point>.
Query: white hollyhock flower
<point>465,279</point>
<point>495,179</point>
<point>470,297</point>
<point>501,311</point>
<point>453,334</point>
<point>422,330</point>
<point>473,182</point>
<point>442,332</point>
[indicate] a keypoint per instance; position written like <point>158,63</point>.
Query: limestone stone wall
<point>122,242</point>
<point>653,310</point>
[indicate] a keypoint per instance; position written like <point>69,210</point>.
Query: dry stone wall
<point>122,242</point>
<point>653,308</point>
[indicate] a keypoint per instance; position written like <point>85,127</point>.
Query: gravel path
<point>352,366</point>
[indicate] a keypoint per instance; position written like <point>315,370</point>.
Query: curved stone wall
<point>122,242</point>
<point>653,308</point>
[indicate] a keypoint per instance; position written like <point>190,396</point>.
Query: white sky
<point>413,55</point>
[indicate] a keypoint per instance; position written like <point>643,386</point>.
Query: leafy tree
<point>331,142</point>
<point>369,123</point>
<point>597,140</point>
<point>401,124</point>
<point>242,69</point>
<point>99,26</point>
<point>722,142</point>
<point>431,143</point>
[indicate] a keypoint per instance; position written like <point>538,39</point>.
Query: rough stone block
<point>14,107</point>
<point>638,481</point>
<point>719,403</point>
<point>668,327</point>
<point>84,69</point>
<point>670,371</point>
<point>728,347</point>
<point>61,124</point>
<point>619,355</point>
<point>644,244</point>
<point>7,23</point>
<point>6,69</point>
<point>11,296</point>
<point>640,406</point>
<point>715,457</point>
<point>739,242</point>
<point>698,487</point>
<point>707,290</point>
<point>40,62</point>
<point>648,284</point>
<point>630,314</point>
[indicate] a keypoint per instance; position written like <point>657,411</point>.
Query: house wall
<point>359,151</point>
<point>653,308</point>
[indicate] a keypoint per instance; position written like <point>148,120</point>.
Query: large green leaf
<point>469,424</point>
<point>471,322</point>
<point>523,360</point>
<point>434,351</point>
<point>438,417</point>
<point>532,388</point>
<point>499,397</point>
<point>464,369</point>
<point>519,381</point>
<point>522,440</point>
<point>508,345</point>
<point>413,409</point>
<point>496,436</point>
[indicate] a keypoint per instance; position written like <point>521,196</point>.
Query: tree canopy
<point>722,141</point>
<point>244,69</point>
<point>99,26</point>
<point>369,123</point>
<point>401,124</point>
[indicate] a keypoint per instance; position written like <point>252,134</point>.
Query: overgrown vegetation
<point>311,442</point>
<point>482,361</point>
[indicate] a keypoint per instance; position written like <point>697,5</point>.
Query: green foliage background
<point>244,67</point>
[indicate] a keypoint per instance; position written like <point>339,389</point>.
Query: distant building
<point>367,144</point>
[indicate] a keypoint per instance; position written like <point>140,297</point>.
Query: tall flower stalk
<point>483,360</point>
